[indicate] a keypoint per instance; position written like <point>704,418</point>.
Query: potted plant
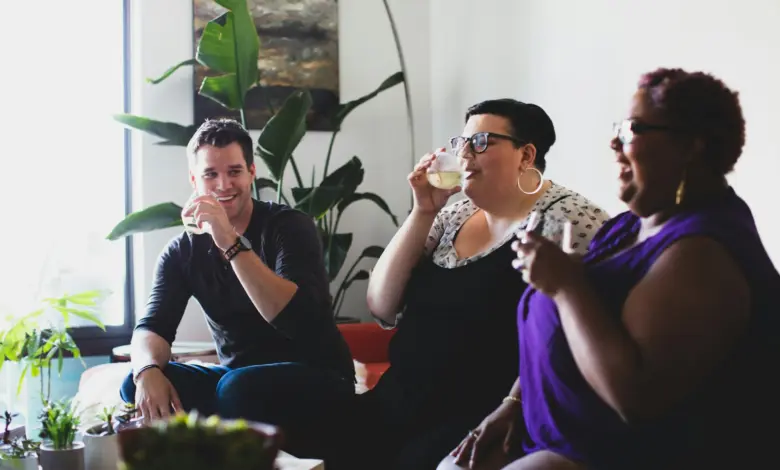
<point>231,75</point>
<point>101,445</point>
<point>60,450</point>
<point>191,442</point>
<point>12,432</point>
<point>33,341</point>
<point>19,454</point>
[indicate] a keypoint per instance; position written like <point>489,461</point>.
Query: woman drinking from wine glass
<point>446,283</point>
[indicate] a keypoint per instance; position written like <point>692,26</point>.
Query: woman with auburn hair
<point>659,349</point>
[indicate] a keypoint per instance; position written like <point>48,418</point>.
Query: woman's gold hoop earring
<point>538,188</point>
<point>678,198</point>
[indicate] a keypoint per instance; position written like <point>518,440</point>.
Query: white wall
<point>377,132</point>
<point>580,60</point>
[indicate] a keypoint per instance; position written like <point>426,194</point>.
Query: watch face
<point>246,245</point>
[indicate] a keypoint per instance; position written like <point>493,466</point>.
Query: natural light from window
<point>63,155</point>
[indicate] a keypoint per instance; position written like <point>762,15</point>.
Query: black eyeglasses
<point>479,142</point>
<point>627,129</point>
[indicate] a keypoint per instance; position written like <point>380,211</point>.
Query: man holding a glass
<point>257,270</point>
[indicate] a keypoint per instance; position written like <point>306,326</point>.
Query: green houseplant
<point>101,442</point>
<point>19,454</point>
<point>35,340</point>
<point>192,442</point>
<point>59,449</point>
<point>229,48</point>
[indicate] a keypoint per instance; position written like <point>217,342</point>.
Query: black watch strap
<point>231,252</point>
<point>240,245</point>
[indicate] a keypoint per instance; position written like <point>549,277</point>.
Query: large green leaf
<point>169,72</point>
<point>336,247</point>
<point>229,45</point>
<point>283,132</point>
<point>156,217</point>
<point>348,176</point>
<point>317,201</point>
<point>223,90</point>
<point>347,108</point>
<point>354,197</point>
<point>172,133</point>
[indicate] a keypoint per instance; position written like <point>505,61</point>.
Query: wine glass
<point>444,172</point>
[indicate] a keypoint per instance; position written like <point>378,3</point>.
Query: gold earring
<point>538,188</point>
<point>680,191</point>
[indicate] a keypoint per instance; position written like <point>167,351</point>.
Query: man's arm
<point>298,284</point>
<point>155,332</point>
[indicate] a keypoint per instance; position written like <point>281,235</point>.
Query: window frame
<point>91,340</point>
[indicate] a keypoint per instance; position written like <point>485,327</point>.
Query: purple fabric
<point>565,415</point>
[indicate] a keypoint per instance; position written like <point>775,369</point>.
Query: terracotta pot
<point>65,459</point>
<point>100,452</point>
<point>27,463</point>
<point>149,448</point>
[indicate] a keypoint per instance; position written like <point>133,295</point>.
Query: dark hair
<point>527,123</point>
<point>221,132</point>
<point>703,106</point>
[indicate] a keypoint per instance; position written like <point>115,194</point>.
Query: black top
<point>288,242</point>
<point>455,351</point>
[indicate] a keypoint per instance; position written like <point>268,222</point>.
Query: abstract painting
<point>299,48</point>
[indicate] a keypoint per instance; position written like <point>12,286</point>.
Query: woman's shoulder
<point>586,217</point>
<point>455,214</point>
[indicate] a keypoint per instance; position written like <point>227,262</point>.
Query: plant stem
<point>330,150</point>
<point>407,94</point>
<point>297,173</point>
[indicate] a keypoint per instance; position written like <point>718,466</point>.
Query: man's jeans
<point>289,395</point>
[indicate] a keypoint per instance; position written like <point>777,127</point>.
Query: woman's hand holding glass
<point>544,253</point>
<point>428,198</point>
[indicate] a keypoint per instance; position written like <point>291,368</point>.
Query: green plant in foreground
<point>192,442</point>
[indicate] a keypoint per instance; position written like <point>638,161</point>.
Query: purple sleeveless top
<point>564,415</point>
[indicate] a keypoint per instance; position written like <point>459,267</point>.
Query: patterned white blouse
<point>558,203</point>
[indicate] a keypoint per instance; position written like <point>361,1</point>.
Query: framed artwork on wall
<point>299,48</point>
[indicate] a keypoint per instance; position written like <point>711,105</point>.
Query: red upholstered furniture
<point>368,343</point>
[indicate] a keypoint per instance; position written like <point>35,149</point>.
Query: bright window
<point>63,156</point>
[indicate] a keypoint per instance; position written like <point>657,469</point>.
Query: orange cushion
<point>368,342</point>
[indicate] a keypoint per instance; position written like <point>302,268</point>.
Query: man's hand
<point>155,395</point>
<point>211,216</point>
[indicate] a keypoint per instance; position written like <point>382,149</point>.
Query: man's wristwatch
<point>241,244</point>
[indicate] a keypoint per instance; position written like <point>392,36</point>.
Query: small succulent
<point>9,417</point>
<point>20,448</point>
<point>59,423</point>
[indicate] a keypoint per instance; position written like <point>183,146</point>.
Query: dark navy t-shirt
<point>288,243</point>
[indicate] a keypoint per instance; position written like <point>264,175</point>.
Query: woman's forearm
<point>393,269</point>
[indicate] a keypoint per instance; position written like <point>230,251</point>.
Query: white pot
<point>64,459</point>
<point>27,463</point>
<point>101,452</point>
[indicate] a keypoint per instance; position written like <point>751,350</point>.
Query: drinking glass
<point>553,227</point>
<point>444,172</point>
<point>189,221</point>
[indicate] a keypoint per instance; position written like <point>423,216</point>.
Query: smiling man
<point>257,271</point>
